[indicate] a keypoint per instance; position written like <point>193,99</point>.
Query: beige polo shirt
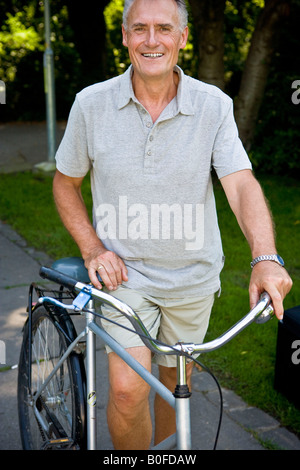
<point>153,201</point>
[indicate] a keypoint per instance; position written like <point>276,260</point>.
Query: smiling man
<point>150,138</point>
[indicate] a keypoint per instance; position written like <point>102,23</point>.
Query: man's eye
<point>165,28</point>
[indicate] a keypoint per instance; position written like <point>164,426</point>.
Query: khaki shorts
<point>168,320</point>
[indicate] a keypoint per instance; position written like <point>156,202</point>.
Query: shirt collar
<point>184,101</point>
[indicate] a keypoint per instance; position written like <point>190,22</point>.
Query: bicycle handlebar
<point>261,313</point>
<point>58,277</point>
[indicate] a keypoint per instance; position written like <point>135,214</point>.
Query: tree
<point>208,20</point>
<point>257,68</point>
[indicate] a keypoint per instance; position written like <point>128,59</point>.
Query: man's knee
<point>129,400</point>
<point>128,391</point>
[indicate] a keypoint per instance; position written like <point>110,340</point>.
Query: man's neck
<point>155,94</point>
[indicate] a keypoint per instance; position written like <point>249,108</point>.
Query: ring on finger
<point>100,267</point>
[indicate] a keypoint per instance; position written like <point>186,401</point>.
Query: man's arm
<point>73,212</point>
<point>247,201</point>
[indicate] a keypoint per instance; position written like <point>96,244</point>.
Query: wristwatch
<point>275,258</point>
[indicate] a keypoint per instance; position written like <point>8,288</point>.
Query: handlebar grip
<point>56,276</point>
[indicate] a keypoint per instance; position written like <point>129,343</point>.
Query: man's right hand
<point>110,267</point>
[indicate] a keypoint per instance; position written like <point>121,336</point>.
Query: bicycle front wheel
<point>51,416</point>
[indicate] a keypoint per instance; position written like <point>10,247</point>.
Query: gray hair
<point>182,10</point>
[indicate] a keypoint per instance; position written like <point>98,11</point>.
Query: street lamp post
<point>49,84</point>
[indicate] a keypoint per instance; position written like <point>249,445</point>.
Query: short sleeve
<point>72,157</point>
<point>229,155</point>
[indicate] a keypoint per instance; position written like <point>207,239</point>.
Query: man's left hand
<point>269,277</point>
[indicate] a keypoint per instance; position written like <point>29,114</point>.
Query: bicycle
<point>57,391</point>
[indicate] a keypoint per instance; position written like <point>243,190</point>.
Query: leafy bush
<point>276,147</point>
<point>279,153</point>
<point>21,63</point>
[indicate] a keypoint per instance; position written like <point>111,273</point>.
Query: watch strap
<point>266,258</point>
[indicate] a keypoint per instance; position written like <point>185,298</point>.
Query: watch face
<point>280,260</point>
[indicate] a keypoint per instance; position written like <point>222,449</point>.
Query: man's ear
<point>124,36</point>
<point>184,37</point>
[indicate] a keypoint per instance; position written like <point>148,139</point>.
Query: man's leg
<point>165,419</point>
<point>128,414</point>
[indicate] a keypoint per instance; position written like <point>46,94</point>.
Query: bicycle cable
<point>176,353</point>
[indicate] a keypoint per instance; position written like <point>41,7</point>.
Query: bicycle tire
<point>62,403</point>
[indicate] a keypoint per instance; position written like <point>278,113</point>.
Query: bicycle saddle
<point>73,267</point>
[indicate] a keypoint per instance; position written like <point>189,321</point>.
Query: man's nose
<point>152,39</point>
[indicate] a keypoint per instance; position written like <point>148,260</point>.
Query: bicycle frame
<point>180,399</point>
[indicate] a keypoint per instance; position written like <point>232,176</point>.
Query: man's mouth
<point>152,55</point>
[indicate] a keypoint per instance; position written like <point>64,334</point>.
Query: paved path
<point>23,145</point>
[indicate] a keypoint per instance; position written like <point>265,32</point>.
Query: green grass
<point>246,365</point>
<point>27,205</point>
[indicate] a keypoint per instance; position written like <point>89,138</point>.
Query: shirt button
<point>148,124</point>
<point>149,153</point>
<point>151,138</point>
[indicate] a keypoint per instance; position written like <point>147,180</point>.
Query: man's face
<point>154,37</point>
